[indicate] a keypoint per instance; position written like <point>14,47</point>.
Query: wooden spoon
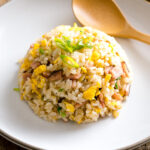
<point>106,16</point>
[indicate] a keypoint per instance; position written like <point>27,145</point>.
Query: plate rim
<point>30,146</point>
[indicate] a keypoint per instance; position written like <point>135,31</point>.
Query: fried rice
<point>75,73</point>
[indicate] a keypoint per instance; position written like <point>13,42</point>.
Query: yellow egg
<point>89,94</point>
<point>83,70</point>
<point>33,53</point>
<point>107,78</point>
<point>36,46</point>
<point>95,56</point>
<point>26,64</point>
<point>41,82</point>
<point>44,43</point>
<point>39,70</point>
<point>97,93</point>
<point>97,110</point>
<point>115,114</point>
<point>69,107</point>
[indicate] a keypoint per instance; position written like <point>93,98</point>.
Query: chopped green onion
<point>41,51</point>
<point>81,31</point>
<point>81,45</point>
<point>68,43</point>
<point>16,89</point>
<point>65,38</point>
<point>118,78</point>
<point>87,45</point>
<point>65,45</point>
<point>59,109</point>
<point>61,89</point>
<point>69,61</point>
<point>116,85</point>
<point>63,114</point>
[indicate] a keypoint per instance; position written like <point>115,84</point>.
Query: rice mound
<point>75,73</point>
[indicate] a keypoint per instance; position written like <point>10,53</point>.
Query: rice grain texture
<point>75,73</point>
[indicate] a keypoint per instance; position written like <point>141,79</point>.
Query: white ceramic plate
<point>21,23</point>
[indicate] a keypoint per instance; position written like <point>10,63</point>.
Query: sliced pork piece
<point>74,76</point>
<point>77,105</point>
<point>125,69</point>
<point>35,64</point>
<point>118,84</point>
<point>116,72</point>
<point>101,99</point>
<point>56,76</point>
<point>46,74</point>
<point>74,83</point>
<point>26,75</point>
<point>117,96</point>
<point>107,69</point>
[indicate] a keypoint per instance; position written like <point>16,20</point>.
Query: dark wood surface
<point>6,145</point>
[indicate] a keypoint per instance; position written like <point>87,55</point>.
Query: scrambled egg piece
<point>97,93</point>
<point>89,94</point>
<point>41,82</point>
<point>44,43</point>
<point>97,110</point>
<point>98,84</point>
<point>36,46</point>
<point>95,56</point>
<point>107,78</point>
<point>115,114</point>
<point>34,89</point>
<point>26,64</point>
<point>40,69</point>
<point>69,107</point>
<point>33,52</point>
<point>83,70</point>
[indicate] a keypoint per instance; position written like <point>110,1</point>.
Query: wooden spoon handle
<point>130,32</point>
<point>2,2</point>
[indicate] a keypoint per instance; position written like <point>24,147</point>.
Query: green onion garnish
<point>63,114</point>
<point>118,78</point>
<point>16,89</point>
<point>81,44</point>
<point>69,61</point>
<point>60,90</point>
<point>63,44</point>
<point>41,51</point>
<point>116,85</point>
<point>59,109</point>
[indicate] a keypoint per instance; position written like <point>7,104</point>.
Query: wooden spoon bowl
<point>106,16</point>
